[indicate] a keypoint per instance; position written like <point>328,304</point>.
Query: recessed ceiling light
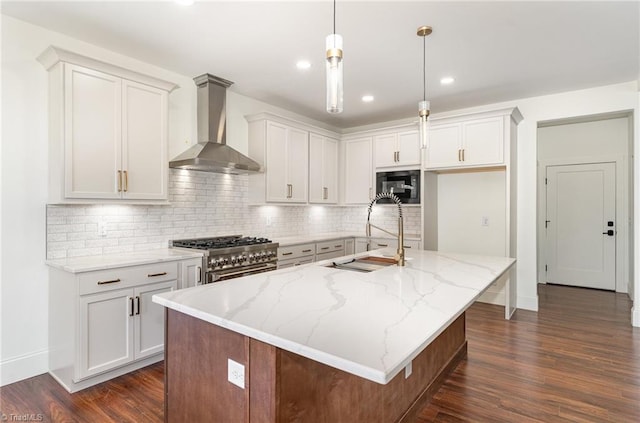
<point>447,80</point>
<point>303,64</point>
<point>184,2</point>
<point>367,98</point>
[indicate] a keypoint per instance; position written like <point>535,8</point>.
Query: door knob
<point>609,232</point>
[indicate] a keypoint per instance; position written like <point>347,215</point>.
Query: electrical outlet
<point>235,373</point>
<point>484,221</point>
<point>408,370</point>
<point>102,228</point>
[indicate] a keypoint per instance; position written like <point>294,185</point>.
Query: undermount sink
<point>364,264</point>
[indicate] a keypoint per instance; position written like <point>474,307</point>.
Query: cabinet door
<point>298,165</point>
<point>483,142</point>
<point>190,273</point>
<point>408,148</point>
<point>358,187</point>
<point>92,133</point>
<point>106,332</point>
<point>276,163</point>
<point>386,149</point>
<point>349,246</point>
<point>316,168</point>
<point>149,319</point>
<point>144,143</point>
<point>323,169</point>
<point>444,146</point>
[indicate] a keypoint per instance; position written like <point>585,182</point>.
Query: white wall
<point>599,140</point>
<point>464,199</point>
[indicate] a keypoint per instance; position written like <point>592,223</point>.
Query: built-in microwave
<point>405,184</point>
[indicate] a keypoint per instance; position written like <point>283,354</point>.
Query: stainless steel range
<point>227,257</point>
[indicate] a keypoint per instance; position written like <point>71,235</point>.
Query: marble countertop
<point>368,324</point>
<point>111,261</point>
<point>303,239</point>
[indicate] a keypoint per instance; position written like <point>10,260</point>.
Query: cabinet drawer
<point>124,277</point>
<point>283,264</point>
<point>329,246</point>
<point>295,251</point>
<point>330,255</point>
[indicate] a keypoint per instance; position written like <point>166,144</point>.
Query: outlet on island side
<point>235,373</point>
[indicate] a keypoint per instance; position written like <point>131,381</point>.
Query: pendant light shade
<point>334,69</point>
<point>424,105</point>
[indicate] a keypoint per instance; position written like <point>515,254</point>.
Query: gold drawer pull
<point>383,245</point>
<point>306,251</point>
<point>106,282</point>
<point>287,254</point>
<point>324,248</point>
<point>151,275</point>
<point>337,246</point>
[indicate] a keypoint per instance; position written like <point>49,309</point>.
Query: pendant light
<point>334,69</point>
<point>424,105</point>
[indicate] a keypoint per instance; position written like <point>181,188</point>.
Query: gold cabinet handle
<point>108,282</point>
<point>463,154</point>
<point>151,275</point>
<point>337,246</point>
<point>383,245</point>
<point>119,180</point>
<point>304,251</point>
<point>324,248</point>
<point>287,254</point>
<point>126,181</point>
<point>325,193</point>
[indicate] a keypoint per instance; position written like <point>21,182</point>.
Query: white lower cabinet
<point>299,254</point>
<point>364,244</point>
<point>190,273</point>
<point>296,255</point>
<point>104,323</point>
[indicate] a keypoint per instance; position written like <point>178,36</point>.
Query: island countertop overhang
<point>368,324</point>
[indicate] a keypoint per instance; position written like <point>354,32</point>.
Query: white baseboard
<point>635,316</point>
<point>527,303</point>
<point>24,367</point>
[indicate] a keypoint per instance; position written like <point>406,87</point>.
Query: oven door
<point>236,272</point>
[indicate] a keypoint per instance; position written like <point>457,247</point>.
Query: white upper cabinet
<point>107,129</point>
<point>358,171</point>
<point>471,141</point>
<point>323,169</point>
<point>283,151</point>
<point>397,149</point>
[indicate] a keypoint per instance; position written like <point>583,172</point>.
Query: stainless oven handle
<point>242,271</point>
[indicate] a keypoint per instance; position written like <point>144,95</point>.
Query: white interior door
<point>581,209</point>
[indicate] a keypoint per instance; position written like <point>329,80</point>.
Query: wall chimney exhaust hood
<point>212,154</point>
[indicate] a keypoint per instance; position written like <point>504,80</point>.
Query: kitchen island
<point>317,343</point>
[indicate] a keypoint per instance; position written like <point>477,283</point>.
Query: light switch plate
<point>235,373</point>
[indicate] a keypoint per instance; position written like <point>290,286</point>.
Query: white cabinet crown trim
<point>516,116</point>
<point>294,123</point>
<point>53,55</point>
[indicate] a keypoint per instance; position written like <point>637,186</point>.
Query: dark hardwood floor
<point>576,360</point>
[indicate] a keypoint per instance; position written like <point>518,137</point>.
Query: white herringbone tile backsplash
<point>202,204</point>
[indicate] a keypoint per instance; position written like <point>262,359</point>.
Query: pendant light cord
<point>334,17</point>
<point>424,68</point>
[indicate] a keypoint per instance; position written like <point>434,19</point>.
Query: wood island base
<point>285,387</point>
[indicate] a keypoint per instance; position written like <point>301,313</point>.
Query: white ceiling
<point>496,50</point>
